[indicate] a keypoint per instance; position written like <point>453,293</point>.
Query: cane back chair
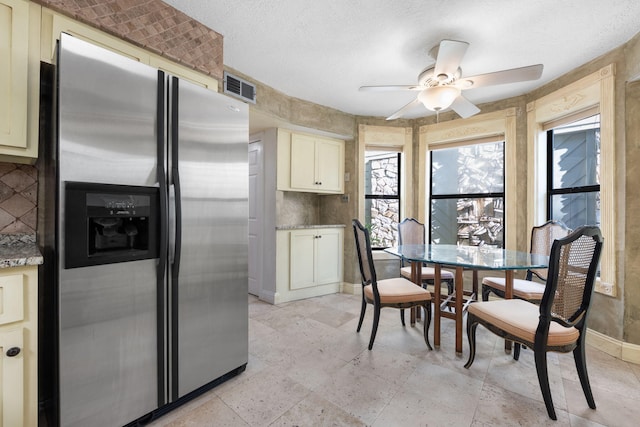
<point>559,323</point>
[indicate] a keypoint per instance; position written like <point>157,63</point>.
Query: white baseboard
<point>268,296</point>
<point>351,288</point>
<point>620,349</point>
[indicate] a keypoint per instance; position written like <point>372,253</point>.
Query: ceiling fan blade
<point>513,75</point>
<point>401,111</point>
<point>450,53</point>
<point>389,88</point>
<point>464,107</point>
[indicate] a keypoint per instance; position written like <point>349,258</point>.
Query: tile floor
<point>308,367</point>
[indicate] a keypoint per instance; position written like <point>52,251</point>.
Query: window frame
<point>495,125</point>
<point>397,197</point>
<point>596,90</point>
<point>391,138</point>
<point>553,191</point>
<point>454,196</point>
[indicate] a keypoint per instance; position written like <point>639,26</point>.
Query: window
<point>573,172</point>
<point>467,195</point>
<point>593,96</point>
<point>382,197</point>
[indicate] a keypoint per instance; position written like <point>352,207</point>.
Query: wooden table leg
<point>436,306</point>
<point>459,292</point>
<point>416,277</point>
<point>475,285</point>
<point>508,294</point>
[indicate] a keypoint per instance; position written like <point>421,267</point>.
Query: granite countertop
<point>18,250</point>
<point>301,227</point>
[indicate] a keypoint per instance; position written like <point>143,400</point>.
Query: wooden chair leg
<point>374,330</point>
<point>402,316</point>
<point>543,379</point>
<point>362,310</point>
<point>471,336</point>
<point>581,367</point>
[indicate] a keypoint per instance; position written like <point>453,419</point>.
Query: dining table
<point>463,258</point>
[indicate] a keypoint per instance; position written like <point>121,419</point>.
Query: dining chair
<point>531,288</point>
<point>396,292</point>
<point>412,232</point>
<point>559,323</point>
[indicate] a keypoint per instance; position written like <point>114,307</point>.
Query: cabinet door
<point>328,257</point>
<point>302,259</point>
<point>329,165</point>
<point>303,175</point>
<point>14,63</point>
<point>12,381</point>
<point>11,298</point>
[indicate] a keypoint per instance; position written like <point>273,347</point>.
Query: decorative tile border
<point>152,25</point>
<point>18,199</point>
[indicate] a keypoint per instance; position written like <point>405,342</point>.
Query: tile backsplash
<point>294,208</point>
<point>18,198</point>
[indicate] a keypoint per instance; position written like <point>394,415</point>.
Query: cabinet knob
<point>13,351</point>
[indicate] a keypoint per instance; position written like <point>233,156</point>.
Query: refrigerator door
<point>211,260</point>
<point>108,346</point>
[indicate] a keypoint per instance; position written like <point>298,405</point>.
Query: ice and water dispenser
<point>106,223</point>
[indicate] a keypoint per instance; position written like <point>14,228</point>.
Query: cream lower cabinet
<point>18,346</point>
<point>309,263</point>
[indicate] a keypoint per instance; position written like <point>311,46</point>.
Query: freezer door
<point>108,346</point>
<point>212,275</point>
<point>108,108</point>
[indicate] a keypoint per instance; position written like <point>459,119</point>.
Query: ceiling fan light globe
<point>439,97</point>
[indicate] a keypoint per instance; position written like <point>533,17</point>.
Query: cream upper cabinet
<point>19,80</point>
<point>310,163</point>
<point>18,346</point>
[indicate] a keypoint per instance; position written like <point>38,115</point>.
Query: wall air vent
<point>240,88</point>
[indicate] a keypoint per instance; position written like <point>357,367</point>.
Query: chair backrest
<point>542,238</point>
<point>410,232</point>
<point>573,267</point>
<point>363,248</point>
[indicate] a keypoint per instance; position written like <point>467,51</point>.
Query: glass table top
<point>475,257</point>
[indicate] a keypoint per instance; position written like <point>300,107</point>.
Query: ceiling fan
<point>440,86</point>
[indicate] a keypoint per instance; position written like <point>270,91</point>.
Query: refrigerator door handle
<point>161,176</point>
<point>172,224</point>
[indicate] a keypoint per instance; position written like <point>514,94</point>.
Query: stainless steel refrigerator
<point>151,237</point>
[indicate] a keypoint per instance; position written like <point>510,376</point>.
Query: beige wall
<point>631,251</point>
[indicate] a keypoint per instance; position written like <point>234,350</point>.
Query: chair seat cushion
<point>398,290</point>
<point>520,318</point>
<point>428,273</point>
<point>525,289</point>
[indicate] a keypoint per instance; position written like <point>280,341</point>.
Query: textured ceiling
<point>323,51</point>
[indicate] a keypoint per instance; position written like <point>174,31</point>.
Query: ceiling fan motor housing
<point>428,79</point>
